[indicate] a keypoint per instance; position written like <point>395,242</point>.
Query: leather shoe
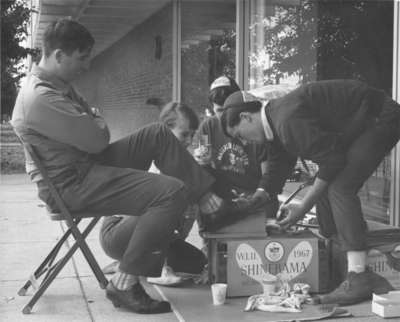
<point>357,287</point>
<point>228,213</point>
<point>231,212</point>
<point>136,299</point>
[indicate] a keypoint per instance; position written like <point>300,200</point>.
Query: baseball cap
<point>240,99</point>
<point>220,82</point>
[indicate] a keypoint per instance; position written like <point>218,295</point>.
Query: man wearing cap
<point>346,127</point>
<point>236,166</point>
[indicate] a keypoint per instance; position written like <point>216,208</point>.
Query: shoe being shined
<point>228,213</point>
<point>167,278</point>
<point>357,287</point>
<point>136,299</point>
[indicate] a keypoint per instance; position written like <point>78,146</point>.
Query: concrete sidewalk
<point>26,235</point>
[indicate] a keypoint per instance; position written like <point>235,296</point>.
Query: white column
<point>242,42</point>
<point>395,182</point>
<point>176,50</point>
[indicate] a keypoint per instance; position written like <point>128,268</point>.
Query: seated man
<point>181,256</point>
<point>91,174</point>
<point>346,127</point>
<point>237,167</point>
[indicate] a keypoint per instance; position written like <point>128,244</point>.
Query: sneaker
<point>167,278</point>
<point>136,299</point>
<point>357,287</point>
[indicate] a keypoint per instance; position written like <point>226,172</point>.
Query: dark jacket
<point>317,122</point>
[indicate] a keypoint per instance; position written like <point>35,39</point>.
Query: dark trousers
<point>339,209</point>
<point>119,183</point>
<point>116,232</point>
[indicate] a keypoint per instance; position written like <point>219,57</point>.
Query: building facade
<point>149,52</point>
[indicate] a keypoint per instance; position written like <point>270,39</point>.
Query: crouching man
<point>346,127</point>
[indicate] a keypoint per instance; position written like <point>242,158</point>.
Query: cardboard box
<point>252,226</point>
<point>382,264</point>
<point>386,305</point>
<point>298,258</point>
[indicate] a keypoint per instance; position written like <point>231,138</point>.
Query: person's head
<point>66,49</point>
<point>182,121</point>
<point>220,89</point>
<point>241,118</point>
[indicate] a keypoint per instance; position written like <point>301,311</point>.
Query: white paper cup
<point>218,291</point>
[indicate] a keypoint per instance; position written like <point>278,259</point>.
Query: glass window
<point>297,41</point>
<point>208,50</point>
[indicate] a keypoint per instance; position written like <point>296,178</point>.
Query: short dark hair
<point>170,113</point>
<point>67,35</point>
<point>218,95</point>
<point>231,114</point>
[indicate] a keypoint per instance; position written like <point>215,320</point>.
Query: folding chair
<point>49,268</point>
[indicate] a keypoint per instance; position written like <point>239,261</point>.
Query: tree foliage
<point>321,39</point>
<point>15,17</point>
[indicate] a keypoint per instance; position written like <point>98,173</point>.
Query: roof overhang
<point>107,20</point>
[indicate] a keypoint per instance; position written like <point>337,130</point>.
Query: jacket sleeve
<point>279,165</point>
<point>66,121</point>
<point>305,136</point>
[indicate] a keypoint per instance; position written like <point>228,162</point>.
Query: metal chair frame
<point>49,268</point>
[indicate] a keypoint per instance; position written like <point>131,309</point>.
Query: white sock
<point>124,281</point>
<point>356,261</point>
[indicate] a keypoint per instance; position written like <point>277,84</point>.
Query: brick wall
<point>126,75</point>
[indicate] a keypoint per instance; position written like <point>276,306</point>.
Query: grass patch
<point>12,159</point>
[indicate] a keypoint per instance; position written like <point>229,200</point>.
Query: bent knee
<point>175,189</point>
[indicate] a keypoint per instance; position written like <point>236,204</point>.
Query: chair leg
<point>49,279</point>
<point>46,264</point>
<point>89,255</point>
<point>53,271</point>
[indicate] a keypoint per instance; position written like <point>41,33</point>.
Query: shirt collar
<point>54,80</point>
<point>267,127</point>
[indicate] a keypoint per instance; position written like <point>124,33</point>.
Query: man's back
<point>332,103</point>
<point>51,116</point>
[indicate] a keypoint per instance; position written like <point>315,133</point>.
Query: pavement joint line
<point>28,242</point>
<point>4,181</point>
<point>18,201</point>
<point>174,309</point>
<point>25,279</point>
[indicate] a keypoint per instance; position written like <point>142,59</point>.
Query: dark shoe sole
<point>342,302</point>
<point>117,303</point>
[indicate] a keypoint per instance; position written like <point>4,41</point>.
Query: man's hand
<point>290,214</point>
<point>242,200</point>
<point>259,198</point>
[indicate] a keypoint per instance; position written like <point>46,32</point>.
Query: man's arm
<point>293,212</point>
<point>305,135</point>
<point>277,168</point>
<point>61,119</point>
